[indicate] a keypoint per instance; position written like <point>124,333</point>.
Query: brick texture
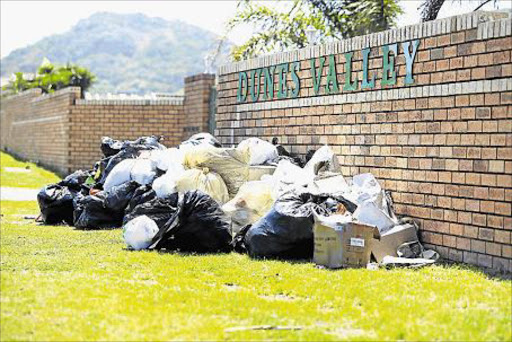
<point>62,132</point>
<point>443,146</point>
<point>198,89</point>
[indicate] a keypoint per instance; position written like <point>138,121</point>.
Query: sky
<point>26,22</point>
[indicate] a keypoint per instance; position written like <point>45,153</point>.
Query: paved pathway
<point>18,194</point>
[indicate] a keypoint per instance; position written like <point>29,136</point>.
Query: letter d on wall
<point>241,95</point>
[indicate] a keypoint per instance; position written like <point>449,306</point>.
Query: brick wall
<point>197,95</point>
<point>62,132</point>
<point>36,127</point>
<point>442,145</point>
<point>120,119</point>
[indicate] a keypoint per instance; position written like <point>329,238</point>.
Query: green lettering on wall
<point>316,75</point>
<point>255,89</point>
<point>331,84</point>
<point>349,85</point>
<point>295,66</point>
<point>268,84</point>
<point>282,72</point>
<point>409,59</point>
<point>367,84</point>
<point>388,71</point>
<point>241,94</point>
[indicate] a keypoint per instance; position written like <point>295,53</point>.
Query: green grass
<point>37,177</point>
<point>58,283</point>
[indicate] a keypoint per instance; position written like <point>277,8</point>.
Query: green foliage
<point>17,84</point>
<point>284,26</point>
<point>51,78</point>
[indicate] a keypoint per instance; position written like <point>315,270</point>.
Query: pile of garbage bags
<point>201,197</point>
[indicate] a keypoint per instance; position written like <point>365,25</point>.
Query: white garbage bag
<point>168,158</point>
<point>260,150</point>
<point>143,171</point>
<point>287,177</point>
<point>139,232</point>
<point>121,173</point>
<point>323,160</point>
<point>165,185</point>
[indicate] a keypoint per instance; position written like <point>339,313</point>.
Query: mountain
<point>128,53</point>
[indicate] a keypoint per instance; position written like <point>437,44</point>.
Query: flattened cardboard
<point>390,240</point>
<point>347,244</point>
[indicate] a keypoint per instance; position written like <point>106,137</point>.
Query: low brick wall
<point>442,144</point>
<point>62,132</point>
<point>36,127</point>
<point>126,119</point>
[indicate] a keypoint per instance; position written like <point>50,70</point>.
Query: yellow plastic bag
<point>231,164</point>
<point>204,180</point>
<point>253,201</point>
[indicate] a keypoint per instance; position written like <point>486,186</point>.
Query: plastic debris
<point>139,232</point>
<point>260,151</point>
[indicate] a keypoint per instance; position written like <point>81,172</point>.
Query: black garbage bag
<point>118,197</point>
<point>75,180</point>
<point>142,194</point>
<point>157,209</point>
<point>286,231</point>
<point>149,143</point>
<point>90,213</point>
<point>56,204</point>
<point>202,138</point>
<point>109,146</point>
<point>197,224</point>
<point>283,154</point>
<point>130,149</point>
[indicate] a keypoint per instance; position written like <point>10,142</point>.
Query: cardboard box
<point>256,172</point>
<point>339,242</point>
<point>390,240</point>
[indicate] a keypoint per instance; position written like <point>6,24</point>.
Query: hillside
<point>129,53</point>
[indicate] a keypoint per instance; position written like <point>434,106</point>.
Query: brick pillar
<point>196,104</point>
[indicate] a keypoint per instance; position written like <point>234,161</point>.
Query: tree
<point>284,26</point>
<point>51,78</point>
<point>430,8</point>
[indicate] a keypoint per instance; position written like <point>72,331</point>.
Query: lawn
<point>35,178</point>
<point>58,283</point>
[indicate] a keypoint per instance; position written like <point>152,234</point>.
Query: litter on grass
<point>255,198</point>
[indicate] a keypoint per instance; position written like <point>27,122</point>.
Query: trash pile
<point>255,198</point>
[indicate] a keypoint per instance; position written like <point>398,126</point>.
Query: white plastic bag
<point>260,150</point>
<point>208,182</point>
<point>139,232</point>
<point>323,160</point>
<point>287,177</point>
<point>143,171</point>
<point>120,174</point>
<point>168,158</point>
<point>164,186</point>
<point>253,201</point>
